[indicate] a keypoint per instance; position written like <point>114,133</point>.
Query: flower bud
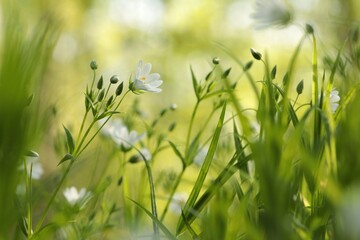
<point>216,60</point>
<point>114,79</point>
<point>273,73</point>
<point>93,65</point>
<point>309,29</point>
<point>135,159</point>
<point>120,180</point>
<point>173,107</point>
<point>119,89</point>
<point>109,102</point>
<point>300,87</point>
<point>248,65</point>
<point>101,95</point>
<point>172,127</point>
<point>100,83</point>
<point>255,54</point>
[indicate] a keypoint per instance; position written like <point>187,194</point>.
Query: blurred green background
<point>172,35</point>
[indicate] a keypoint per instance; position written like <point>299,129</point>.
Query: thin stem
<point>82,125</point>
<point>97,131</point>
<point>29,202</point>
<point>296,100</point>
<point>153,197</point>
<point>178,179</point>
<point>42,218</point>
<point>191,125</point>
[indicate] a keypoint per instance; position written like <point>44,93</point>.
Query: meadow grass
<point>287,169</point>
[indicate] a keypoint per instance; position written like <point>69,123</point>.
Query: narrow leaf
<point>70,140</point>
<point>177,152</point>
<point>195,84</point>
<point>163,228</point>
<point>67,157</point>
<point>203,172</point>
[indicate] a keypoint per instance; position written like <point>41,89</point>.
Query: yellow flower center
<point>143,78</point>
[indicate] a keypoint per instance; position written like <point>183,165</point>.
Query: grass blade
<point>163,228</point>
<point>203,172</point>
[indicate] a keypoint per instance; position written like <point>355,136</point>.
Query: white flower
<point>146,153</point>
<point>124,138</point>
<point>271,13</point>
<point>73,196</point>
<point>334,100</point>
<point>32,159</point>
<point>144,80</point>
<point>109,128</point>
<point>177,202</point>
<point>200,156</point>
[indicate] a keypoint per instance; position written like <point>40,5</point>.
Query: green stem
<point>153,198</point>
<point>172,194</point>
<point>191,125</point>
<point>82,126</point>
<point>77,153</point>
<point>42,218</point>
<point>97,131</point>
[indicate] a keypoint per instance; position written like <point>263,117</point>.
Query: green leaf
<point>195,84</point>
<point>67,157</point>
<point>163,228</point>
<point>203,172</point>
<point>193,149</point>
<point>105,114</point>
<point>223,177</point>
<point>69,140</point>
<point>177,152</point>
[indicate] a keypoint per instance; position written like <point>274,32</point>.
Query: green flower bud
<point>300,87</point>
<point>135,159</point>
<point>255,54</point>
<point>93,65</point>
<point>248,65</point>
<point>162,113</point>
<point>119,89</point>
<point>216,60</point>
<point>100,83</point>
<point>226,73</point>
<point>101,95</point>
<point>172,127</point>
<point>114,79</point>
<point>109,102</point>
<point>173,107</point>
<point>120,180</point>
<point>273,73</point>
<point>309,29</point>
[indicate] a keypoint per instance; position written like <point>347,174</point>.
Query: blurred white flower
<point>272,13</point>
<point>177,202</point>
<point>109,127</point>
<point>144,80</point>
<point>32,158</point>
<point>334,100</point>
<point>146,153</point>
<point>73,196</point>
<point>200,156</point>
<point>139,157</point>
<point>124,138</point>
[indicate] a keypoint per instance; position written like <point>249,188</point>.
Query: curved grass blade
<point>163,228</point>
<point>223,177</point>
<point>203,172</point>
